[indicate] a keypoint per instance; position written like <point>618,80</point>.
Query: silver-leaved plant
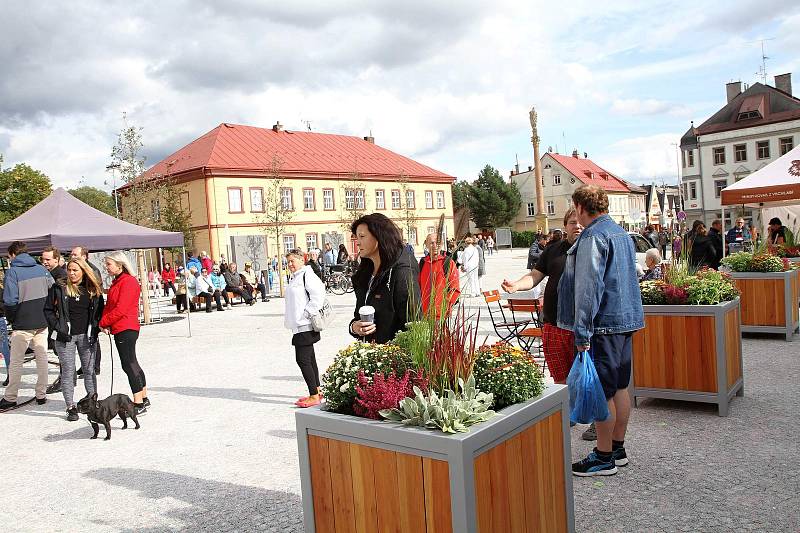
<point>452,412</point>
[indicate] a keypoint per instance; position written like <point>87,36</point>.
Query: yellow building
<point>225,179</point>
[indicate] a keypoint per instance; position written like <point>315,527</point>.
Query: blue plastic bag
<point>587,401</point>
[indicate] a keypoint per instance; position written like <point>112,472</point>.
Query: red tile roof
<point>231,147</point>
<point>590,173</point>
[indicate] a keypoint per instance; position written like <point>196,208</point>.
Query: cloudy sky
<point>448,83</point>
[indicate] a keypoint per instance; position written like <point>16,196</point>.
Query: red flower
<point>385,392</point>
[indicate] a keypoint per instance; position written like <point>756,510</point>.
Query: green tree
<point>460,194</point>
<point>172,215</point>
<point>21,188</point>
<point>408,211</point>
<point>352,201</point>
<point>97,198</point>
<point>493,202</point>
<point>138,199</point>
<point>277,213</point>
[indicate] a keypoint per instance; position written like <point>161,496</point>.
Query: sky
<point>448,83</point>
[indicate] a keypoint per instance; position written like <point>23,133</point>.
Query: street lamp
<point>113,167</point>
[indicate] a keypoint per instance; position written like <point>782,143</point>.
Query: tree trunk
<point>145,287</point>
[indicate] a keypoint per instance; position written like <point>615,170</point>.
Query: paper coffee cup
<point>367,313</point>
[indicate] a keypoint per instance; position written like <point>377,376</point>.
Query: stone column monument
<point>540,217</point>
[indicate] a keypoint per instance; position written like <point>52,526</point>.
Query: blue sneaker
<point>593,466</point>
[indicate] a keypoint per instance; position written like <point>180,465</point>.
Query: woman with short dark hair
<point>387,279</point>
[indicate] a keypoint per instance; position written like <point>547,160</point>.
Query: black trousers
<point>167,286</point>
<point>306,359</point>
<point>208,297</point>
<point>223,294</point>
<point>244,293</point>
<point>126,348</point>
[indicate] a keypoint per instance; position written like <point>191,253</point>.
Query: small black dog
<point>103,411</point>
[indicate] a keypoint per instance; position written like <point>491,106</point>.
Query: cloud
<point>636,107</point>
<point>642,159</point>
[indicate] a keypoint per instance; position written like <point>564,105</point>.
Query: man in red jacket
<point>438,275</point>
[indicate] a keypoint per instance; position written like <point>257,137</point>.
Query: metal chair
<point>528,336</point>
<point>504,328</point>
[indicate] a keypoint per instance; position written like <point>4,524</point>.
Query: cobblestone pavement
<point>217,450</point>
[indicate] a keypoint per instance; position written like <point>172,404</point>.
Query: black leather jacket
<point>56,311</point>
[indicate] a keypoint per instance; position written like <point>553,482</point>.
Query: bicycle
<point>338,281</point>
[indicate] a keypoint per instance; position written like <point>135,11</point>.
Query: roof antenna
<point>762,70</point>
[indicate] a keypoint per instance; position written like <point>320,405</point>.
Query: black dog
<point>103,411</point>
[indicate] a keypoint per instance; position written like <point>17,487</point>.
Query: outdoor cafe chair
<point>530,336</point>
<point>504,328</point>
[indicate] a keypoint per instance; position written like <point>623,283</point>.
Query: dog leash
<point>111,358</point>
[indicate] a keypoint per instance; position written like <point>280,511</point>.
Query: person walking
<point>73,310</point>
<point>121,319</point>
<point>599,301</point>
<point>386,279</point>
<point>168,279</point>
<point>438,280</point>
<point>703,252</point>
<point>558,344</point>
<point>490,244</point>
<point>470,261</point>
<point>715,236</point>
<point>82,252</point>
<point>305,295</point>
<point>26,285</point>
<point>535,251</point>
<point>181,296</point>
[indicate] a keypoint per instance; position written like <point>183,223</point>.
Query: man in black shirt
<point>558,344</point>
<point>715,233</point>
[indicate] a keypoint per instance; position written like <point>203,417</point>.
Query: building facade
<point>226,178</point>
<point>561,175</point>
<point>663,205</point>
<point>754,128</point>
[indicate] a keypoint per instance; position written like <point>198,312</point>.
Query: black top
<point>703,252</point>
<point>315,267</point>
<point>79,313</point>
<point>716,242</point>
<point>551,263</point>
<point>773,235</point>
<point>59,273</point>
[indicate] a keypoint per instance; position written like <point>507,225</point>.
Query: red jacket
<point>207,263</point>
<point>168,275</point>
<point>122,305</point>
<point>440,282</point>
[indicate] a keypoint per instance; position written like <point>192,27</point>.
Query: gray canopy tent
<point>63,221</point>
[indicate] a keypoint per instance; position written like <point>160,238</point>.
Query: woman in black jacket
<point>73,310</point>
<point>387,279</point>
<point>703,252</point>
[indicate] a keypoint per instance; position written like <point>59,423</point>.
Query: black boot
<point>55,387</point>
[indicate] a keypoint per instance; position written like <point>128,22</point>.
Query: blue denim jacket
<point>599,294</point>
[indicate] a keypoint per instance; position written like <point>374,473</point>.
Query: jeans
<point>126,347</point>
<point>20,340</point>
<point>66,356</point>
<point>5,347</point>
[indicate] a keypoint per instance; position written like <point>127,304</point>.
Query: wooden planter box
<point>769,301</point>
<point>689,352</point>
<point>509,474</point>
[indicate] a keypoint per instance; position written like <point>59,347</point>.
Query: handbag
<point>587,401</point>
<point>324,316</point>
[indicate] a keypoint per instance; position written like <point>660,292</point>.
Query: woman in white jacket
<point>305,296</point>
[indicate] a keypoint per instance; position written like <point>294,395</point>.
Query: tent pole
<point>188,312</point>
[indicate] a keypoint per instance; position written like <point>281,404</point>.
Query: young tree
<point>408,209</point>
<point>493,202</point>
<point>139,201</point>
<point>277,212</point>
<point>173,216</point>
<point>352,201</point>
<point>94,197</point>
<point>21,188</point>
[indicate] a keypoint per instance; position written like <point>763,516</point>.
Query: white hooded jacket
<point>302,305</point>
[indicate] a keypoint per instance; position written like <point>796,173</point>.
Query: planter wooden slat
<point>509,474</point>
<point>689,352</point>
<point>769,301</point>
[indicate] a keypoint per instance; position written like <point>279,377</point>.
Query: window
<point>531,211</point>
<point>395,199</point>
<point>412,235</point>
<point>762,149</point>
<point>690,158</point>
<point>693,191</point>
<point>739,152</point>
<point>327,199</point>
<point>235,200</point>
<point>311,241</point>
<point>409,199</point>
<point>551,208</point>
<point>718,186</point>
<point>256,200</point>
<point>308,199</point>
<point>380,199</point>
<point>287,202</point>
<point>349,199</point>
<point>785,144</point>
<point>557,179</point>
<point>428,199</point>
<point>360,199</point>
<point>430,230</point>
<point>440,199</point>
<point>155,207</point>
<point>719,155</point>
<point>288,243</point>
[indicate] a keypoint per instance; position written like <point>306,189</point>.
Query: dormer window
<point>747,115</point>
<point>604,176</point>
<point>752,108</point>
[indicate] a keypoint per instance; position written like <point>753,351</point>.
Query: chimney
<point>277,126</point>
<point>575,153</point>
<point>370,139</point>
<point>784,83</point>
<point>733,89</point>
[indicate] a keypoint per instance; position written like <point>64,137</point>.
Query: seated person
<point>218,281</point>
<point>234,284</point>
<point>652,260</point>
<point>206,290</point>
<point>191,287</point>
<point>254,280</point>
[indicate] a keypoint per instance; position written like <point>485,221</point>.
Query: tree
<point>352,201</point>
<point>21,188</point>
<point>408,216</point>
<point>493,202</point>
<point>461,213</point>
<point>94,197</point>
<point>277,213</point>
<point>140,195</point>
<point>172,215</point>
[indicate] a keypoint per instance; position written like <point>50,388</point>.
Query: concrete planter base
<point>511,473</point>
<point>769,301</point>
<point>689,352</point>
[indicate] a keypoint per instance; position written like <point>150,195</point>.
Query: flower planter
<point>509,474</point>
<point>689,352</point>
<point>769,301</point>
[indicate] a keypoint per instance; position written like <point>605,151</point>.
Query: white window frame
<point>308,199</point>
<point>718,151</point>
<point>360,201</point>
<point>759,148</point>
<point>410,199</point>
<point>380,199</point>
<point>311,241</point>
<point>785,144</point>
<point>439,199</point>
<point>327,199</point>
<point>428,199</point>
<point>736,151</point>
<point>349,199</point>
<point>287,200</point>
<point>531,209</point>
<point>396,199</point>
<point>557,179</point>
<point>692,190</point>
<point>232,201</point>
<point>288,243</point>
<point>719,184</point>
<point>551,208</point>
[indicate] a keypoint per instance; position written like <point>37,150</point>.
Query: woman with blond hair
<point>121,319</point>
<point>73,309</point>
